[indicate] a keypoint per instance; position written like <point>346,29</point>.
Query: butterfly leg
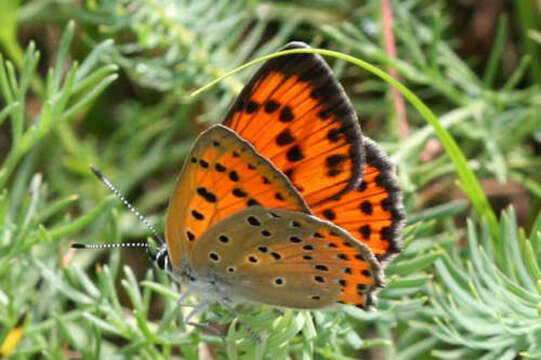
<point>196,310</point>
<point>203,326</point>
<point>183,297</point>
<point>248,328</point>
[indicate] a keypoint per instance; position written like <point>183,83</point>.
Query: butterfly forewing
<point>373,212</point>
<point>222,175</point>
<point>286,258</point>
<point>297,115</point>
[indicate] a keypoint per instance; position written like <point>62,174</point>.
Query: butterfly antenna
<point>130,207</point>
<point>77,245</point>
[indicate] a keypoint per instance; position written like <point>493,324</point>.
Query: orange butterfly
<point>286,203</point>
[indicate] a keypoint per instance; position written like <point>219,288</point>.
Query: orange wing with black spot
<point>222,175</point>
<point>373,212</point>
<point>298,116</point>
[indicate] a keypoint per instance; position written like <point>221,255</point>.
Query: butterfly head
<point>160,257</point>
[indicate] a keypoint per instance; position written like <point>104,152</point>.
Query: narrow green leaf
<point>83,221</point>
<point>107,285</point>
<point>410,266</point>
<point>58,283</point>
<point>63,49</point>
<point>131,286</point>
<point>89,97</point>
<point>56,207</point>
<point>5,88</point>
<point>94,58</point>
<point>518,74</point>
<point>496,52</point>
<point>103,325</point>
<point>93,79</point>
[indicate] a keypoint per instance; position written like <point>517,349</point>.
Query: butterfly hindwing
<point>222,175</point>
<point>286,258</point>
<point>373,212</point>
<point>298,116</point>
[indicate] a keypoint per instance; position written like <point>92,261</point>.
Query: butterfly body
<point>286,203</point>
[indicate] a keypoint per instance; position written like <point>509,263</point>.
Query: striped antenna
<point>76,245</point>
<point>130,207</point>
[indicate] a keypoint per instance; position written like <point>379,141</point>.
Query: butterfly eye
<point>162,260</point>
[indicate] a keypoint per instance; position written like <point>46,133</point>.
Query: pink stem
<point>388,36</point>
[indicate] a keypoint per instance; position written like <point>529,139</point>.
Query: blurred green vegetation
<point>108,83</point>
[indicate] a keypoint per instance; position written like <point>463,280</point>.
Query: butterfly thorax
<point>211,287</point>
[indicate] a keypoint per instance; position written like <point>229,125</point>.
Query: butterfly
<point>285,203</point>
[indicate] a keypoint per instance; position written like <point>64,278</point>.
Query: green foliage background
<point>108,83</point>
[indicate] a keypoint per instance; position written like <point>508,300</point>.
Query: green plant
<point>489,303</point>
<point>118,96</point>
